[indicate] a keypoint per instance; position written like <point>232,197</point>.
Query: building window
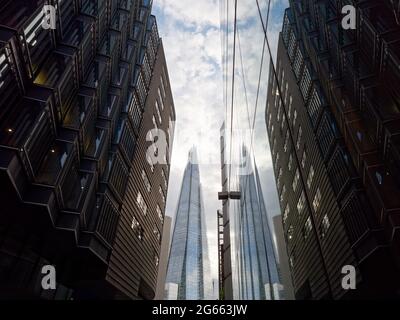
<point>304,159</point>
<point>278,115</point>
<point>310,177</point>
<point>379,178</point>
<point>296,180</point>
<point>155,123</point>
<point>157,233</point>
<point>283,193</point>
<point>160,215</point>
<point>141,203</point>
<point>286,213</point>
<point>299,137</point>
<point>146,181</point>
<point>279,176</point>
<point>161,99</point>
<point>317,200</point>
<point>326,224</point>
<point>158,112</point>
<point>162,86</point>
<point>290,164</point>
<point>290,107</point>
<point>285,146</point>
<point>294,118</point>
<point>164,177</point>
<point>161,194</point>
<point>290,233</point>
<point>307,228</point>
<point>301,203</point>
<point>138,230</point>
<point>150,162</point>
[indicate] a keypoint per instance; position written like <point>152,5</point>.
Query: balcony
<point>341,171</point>
<point>28,130</point>
<point>66,10</point>
<point>58,158</point>
<point>98,10</point>
<point>99,80</point>
<point>59,74</point>
<point>125,139</point>
<point>111,49</point>
<point>121,83</point>
<point>80,35</point>
<point>36,43</point>
<point>98,149</point>
<point>120,23</point>
<point>380,186</point>
<point>78,206</point>
<point>10,89</point>
<point>116,175</point>
<point>102,225</point>
<point>82,119</point>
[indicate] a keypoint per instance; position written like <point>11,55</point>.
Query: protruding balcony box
<point>79,203</point>
<point>120,23</point>
<point>382,188</point>
<point>115,177</point>
<point>11,88</point>
<point>120,81</point>
<point>111,49</point>
<point>125,138</point>
<point>390,71</point>
<point>98,148</point>
<point>99,79</point>
<point>135,111</point>
<point>36,42</point>
<point>60,74</point>
<point>66,11</point>
<point>82,118</point>
<point>81,36</point>
<point>341,170</point>
<point>112,9</point>
<point>358,141</point>
<point>98,10</point>
<point>102,226</point>
<point>111,110</point>
<point>29,132</point>
<point>128,53</point>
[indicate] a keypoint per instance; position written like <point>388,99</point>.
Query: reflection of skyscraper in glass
<point>250,271</point>
<point>258,274</point>
<point>188,267</point>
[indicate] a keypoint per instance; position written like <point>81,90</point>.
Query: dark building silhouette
<point>76,104</point>
<point>333,117</point>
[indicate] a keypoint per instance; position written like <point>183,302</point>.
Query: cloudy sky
<point>192,38</point>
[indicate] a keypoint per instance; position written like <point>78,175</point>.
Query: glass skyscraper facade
<point>250,265</point>
<point>189,267</point>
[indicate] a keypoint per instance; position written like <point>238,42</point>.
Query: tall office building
<point>188,275</point>
<point>250,270</point>
<point>77,102</point>
<point>333,123</point>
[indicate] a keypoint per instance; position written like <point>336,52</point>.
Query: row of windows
<point>308,227</point>
<point>146,181</point>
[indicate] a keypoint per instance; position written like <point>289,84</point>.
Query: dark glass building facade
<point>333,117</point>
<point>76,104</point>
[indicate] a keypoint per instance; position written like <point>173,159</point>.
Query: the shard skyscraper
<point>188,275</point>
